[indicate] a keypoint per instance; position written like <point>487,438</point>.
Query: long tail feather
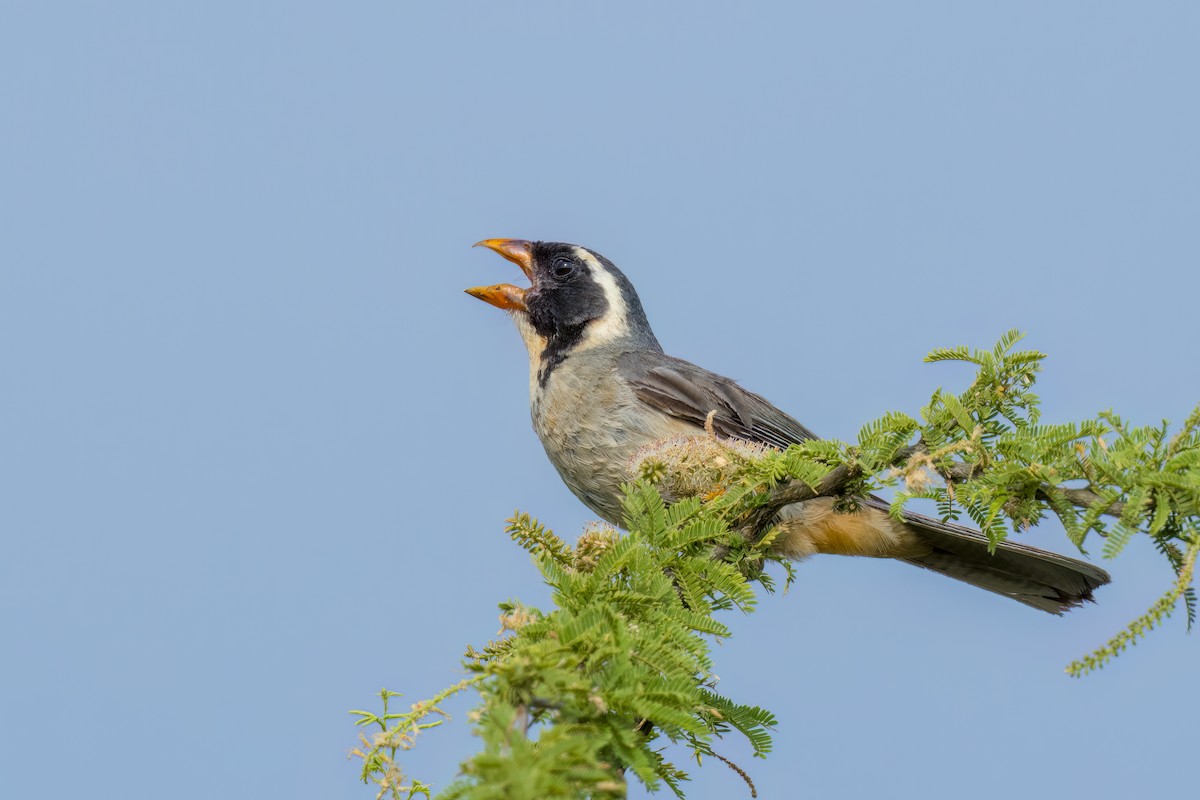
<point>1037,578</point>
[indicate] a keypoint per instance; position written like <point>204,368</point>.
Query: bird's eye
<point>563,267</point>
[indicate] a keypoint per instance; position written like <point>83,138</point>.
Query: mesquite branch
<point>840,478</point>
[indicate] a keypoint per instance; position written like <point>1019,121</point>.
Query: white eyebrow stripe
<point>615,322</point>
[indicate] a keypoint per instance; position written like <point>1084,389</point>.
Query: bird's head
<point>577,300</point>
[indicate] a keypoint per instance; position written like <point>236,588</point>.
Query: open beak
<point>505,295</point>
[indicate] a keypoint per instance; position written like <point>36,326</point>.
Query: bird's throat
<point>558,348</point>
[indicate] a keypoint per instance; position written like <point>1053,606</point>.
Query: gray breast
<point>591,424</point>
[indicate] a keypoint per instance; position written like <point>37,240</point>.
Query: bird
<point>602,389</point>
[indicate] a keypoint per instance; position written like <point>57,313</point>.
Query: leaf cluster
<point>576,700</point>
<point>997,463</point>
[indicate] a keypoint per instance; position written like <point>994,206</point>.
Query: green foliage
<point>575,700</point>
<point>1101,477</point>
<point>1161,609</point>
<point>399,732</point>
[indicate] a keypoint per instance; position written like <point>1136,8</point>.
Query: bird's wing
<point>1035,577</point>
<point>687,392</point>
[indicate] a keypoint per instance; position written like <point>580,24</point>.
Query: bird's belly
<point>815,527</point>
<point>591,430</point>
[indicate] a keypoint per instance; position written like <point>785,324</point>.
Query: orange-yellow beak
<point>505,295</point>
<point>502,295</point>
<point>518,251</point>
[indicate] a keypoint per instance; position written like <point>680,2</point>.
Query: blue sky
<point>259,447</point>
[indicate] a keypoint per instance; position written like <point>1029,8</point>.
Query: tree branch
<point>1086,498</point>
<point>834,485</point>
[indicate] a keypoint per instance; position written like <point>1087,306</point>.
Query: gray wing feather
<point>687,392</point>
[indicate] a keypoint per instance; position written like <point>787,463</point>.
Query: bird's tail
<point>1028,575</point>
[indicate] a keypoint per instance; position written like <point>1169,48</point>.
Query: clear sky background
<point>258,446</point>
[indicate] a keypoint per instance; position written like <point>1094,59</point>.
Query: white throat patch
<point>535,343</point>
<point>615,322</point>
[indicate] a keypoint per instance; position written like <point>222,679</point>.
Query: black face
<point>565,297</point>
